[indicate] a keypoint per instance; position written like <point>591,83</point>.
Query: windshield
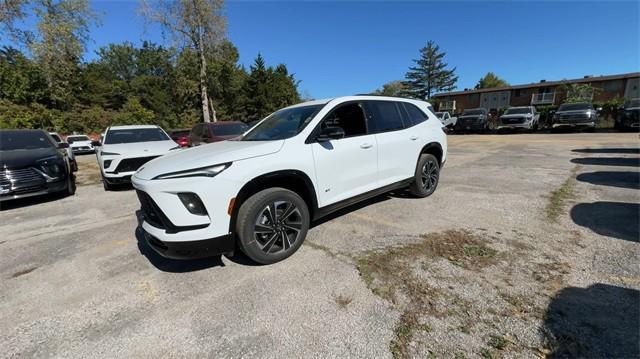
<point>283,124</point>
<point>473,112</point>
<point>77,138</point>
<point>632,103</point>
<point>135,135</point>
<point>440,114</point>
<point>575,107</point>
<point>24,140</point>
<point>517,111</point>
<point>232,129</point>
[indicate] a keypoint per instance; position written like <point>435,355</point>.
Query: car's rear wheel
<point>272,224</point>
<point>426,176</point>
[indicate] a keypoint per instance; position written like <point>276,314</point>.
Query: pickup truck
<point>446,119</point>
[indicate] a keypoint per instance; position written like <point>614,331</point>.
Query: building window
<point>473,97</point>
<point>516,93</point>
<point>612,86</point>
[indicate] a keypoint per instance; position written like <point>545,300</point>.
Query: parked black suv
<point>628,115</point>
<point>475,119</point>
<point>32,163</point>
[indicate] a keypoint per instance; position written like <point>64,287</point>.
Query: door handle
<point>366,145</point>
<point>413,138</point>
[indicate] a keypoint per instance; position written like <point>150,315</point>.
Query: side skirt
<point>321,212</point>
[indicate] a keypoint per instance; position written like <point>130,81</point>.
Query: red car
<point>216,131</point>
<point>180,136</point>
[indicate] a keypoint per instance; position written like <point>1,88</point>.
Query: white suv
<point>302,162</point>
<point>125,148</point>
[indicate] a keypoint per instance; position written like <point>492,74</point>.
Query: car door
<point>348,166</point>
<point>396,141</point>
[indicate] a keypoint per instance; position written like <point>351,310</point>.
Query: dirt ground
<point>529,248</point>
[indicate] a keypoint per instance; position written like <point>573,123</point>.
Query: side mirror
<point>330,133</point>
<point>62,145</point>
<point>96,143</point>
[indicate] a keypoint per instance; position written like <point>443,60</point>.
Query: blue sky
<point>342,48</point>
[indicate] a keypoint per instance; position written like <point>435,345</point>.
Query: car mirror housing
<point>330,133</point>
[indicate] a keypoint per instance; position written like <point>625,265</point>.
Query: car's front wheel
<point>272,224</point>
<point>426,176</point>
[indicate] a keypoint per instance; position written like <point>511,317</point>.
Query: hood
<point>517,115</point>
<point>24,158</point>
<point>207,155</point>
<point>141,149</point>
<point>80,143</point>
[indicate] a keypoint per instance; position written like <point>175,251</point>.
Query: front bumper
<point>191,249</point>
<point>515,126</point>
<point>588,124</point>
<point>165,217</point>
<point>34,190</point>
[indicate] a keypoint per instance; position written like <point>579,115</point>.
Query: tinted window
<point>135,135</point>
<point>517,111</point>
<point>283,124</point>
<point>77,138</point>
<point>229,129</point>
<point>474,112</point>
<point>416,116</point>
<point>349,117</point>
<point>385,116</point>
<point>180,133</point>
<point>56,137</point>
<point>24,140</point>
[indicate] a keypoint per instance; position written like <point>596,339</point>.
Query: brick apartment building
<point>542,93</point>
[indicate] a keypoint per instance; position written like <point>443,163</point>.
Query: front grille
<point>512,120</point>
<point>155,217</point>
<point>152,213</point>
<point>132,164</point>
<point>82,148</point>
<point>23,180</point>
<point>576,116</point>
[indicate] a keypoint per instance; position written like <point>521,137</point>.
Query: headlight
<point>51,166</point>
<point>103,153</point>
<point>211,171</point>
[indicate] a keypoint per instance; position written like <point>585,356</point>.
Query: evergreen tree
<point>430,74</point>
<point>491,80</point>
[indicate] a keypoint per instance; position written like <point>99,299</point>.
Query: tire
<point>426,177</point>
<point>71,185</point>
<point>274,243</point>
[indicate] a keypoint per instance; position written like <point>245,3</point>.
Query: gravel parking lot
<point>528,248</point>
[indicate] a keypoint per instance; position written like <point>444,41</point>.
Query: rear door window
<point>349,117</point>
<point>385,117</point>
<point>416,115</point>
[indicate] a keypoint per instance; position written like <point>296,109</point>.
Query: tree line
<point>44,83</point>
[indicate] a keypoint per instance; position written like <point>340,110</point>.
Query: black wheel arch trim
<point>261,182</point>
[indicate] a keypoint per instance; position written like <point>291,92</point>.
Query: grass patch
<point>557,199</point>
<point>343,301</point>
<point>390,275</point>
<point>498,342</point>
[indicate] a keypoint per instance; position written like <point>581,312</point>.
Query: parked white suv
<point>80,144</point>
<point>126,148</point>
<point>302,162</point>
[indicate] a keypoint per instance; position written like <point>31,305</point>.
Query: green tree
<point>392,88</point>
<point>268,89</point>
<point>430,73</point>
<point>134,113</point>
<point>63,29</point>
<point>577,92</point>
<point>195,24</point>
<point>491,80</point>
<point>21,80</point>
